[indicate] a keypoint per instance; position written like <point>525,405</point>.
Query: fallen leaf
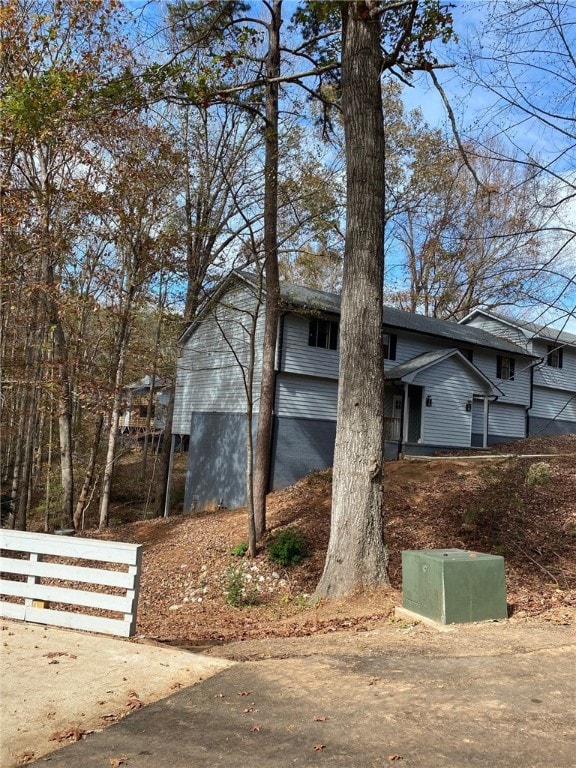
<point>395,757</point>
<point>24,758</point>
<point>321,718</point>
<point>117,761</point>
<point>68,734</point>
<point>256,728</point>
<point>319,747</point>
<point>176,685</point>
<point>134,703</point>
<point>244,693</point>
<point>54,654</point>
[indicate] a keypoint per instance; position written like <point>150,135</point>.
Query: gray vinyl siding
<point>451,385</point>
<point>216,472</point>
<point>299,357</point>
<point>306,397</point>
<point>500,329</point>
<point>410,345</point>
<point>505,421</point>
<point>550,405</point>
<point>516,391</point>
<point>557,378</point>
<point>540,427</point>
<point>209,376</point>
<point>300,446</point>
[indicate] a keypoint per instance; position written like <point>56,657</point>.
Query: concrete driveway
<point>57,684</point>
<point>499,695</point>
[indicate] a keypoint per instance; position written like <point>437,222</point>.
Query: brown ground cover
<point>480,504</point>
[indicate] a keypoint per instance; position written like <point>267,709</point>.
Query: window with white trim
<point>389,342</point>
<point>505,367</point>
<point>554,356</point>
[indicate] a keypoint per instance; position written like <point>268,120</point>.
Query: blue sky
<point>474,107</point>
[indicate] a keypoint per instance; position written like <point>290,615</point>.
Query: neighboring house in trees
<point>135,417</point>
<point>552,410</point>
<point>447,386</point>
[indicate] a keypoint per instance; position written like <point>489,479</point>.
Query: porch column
<point>404,425</point>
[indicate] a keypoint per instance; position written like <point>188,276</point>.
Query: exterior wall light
<point>469,405</point>
<point>429,401</point>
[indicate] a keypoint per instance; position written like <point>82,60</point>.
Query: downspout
<point>531,403</point>
<point>280,347</point>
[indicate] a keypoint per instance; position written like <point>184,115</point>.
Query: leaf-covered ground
<point>523,508</point>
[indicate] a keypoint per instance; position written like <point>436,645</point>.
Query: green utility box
<point>454,586</point>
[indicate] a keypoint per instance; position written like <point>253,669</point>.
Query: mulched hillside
<point>523,508</point>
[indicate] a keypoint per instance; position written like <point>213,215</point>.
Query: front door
<point>415,413</point>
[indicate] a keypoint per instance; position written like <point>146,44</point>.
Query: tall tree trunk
<point>47,491</point>
<point>121,352</point>
<point>62,377</point>
<point>152,397</point>
<point>81,503</point>
<point>64,427</point>
<point>356,555</point>
<point>267,386</point>
<point>164,454</point>
<point>249,387</point>
<point>28,398</point>
<point>25,475</point>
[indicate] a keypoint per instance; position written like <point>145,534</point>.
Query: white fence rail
<point>41,577</point>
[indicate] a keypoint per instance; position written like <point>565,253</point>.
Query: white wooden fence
<point>43,590</point>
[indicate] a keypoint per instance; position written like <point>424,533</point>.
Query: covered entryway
<point>440,389</point>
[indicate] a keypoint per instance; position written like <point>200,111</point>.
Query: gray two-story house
<point>447,386</point>
<point>552,407</point>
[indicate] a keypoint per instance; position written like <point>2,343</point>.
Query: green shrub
<point>287,547</point>
<point>471,516</point>
<point>538,474</point>
<point>238,590</point>
<point>239,550</point>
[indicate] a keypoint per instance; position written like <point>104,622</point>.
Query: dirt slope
<point>504,506</point>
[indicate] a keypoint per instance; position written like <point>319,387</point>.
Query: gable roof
<point>298,296</point>
<point>532,330</point>
<point>314,300</point>
<point>311,300</point>
<point>449,329</point>
<point>408,370</point>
